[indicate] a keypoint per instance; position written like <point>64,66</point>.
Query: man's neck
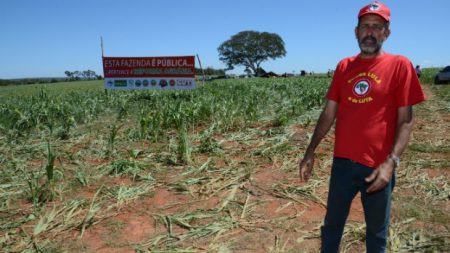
<point>371,56</point>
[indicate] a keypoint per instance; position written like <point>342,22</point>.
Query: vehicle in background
<point>443,76</point>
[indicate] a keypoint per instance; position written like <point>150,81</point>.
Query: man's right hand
<point>306,167</point>
<point>324,123</point>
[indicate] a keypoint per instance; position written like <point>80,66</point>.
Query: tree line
<point>210,71</point>
<point>82,75</point>
<point>22,81</point>
<point>70,76</point>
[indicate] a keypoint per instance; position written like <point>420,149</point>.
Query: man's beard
<point>370,45</point>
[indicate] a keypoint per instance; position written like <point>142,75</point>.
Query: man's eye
<point>372,27</point>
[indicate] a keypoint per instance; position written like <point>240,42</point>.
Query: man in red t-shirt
<point>371,98</point>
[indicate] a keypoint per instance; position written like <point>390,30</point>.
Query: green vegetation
<point>443,92</point>
<point>79,75</point>
<point>53,89</point>
<point>210,168</point>
<point>250,49</point>
<point>61,107</point>
<point>428,74</point>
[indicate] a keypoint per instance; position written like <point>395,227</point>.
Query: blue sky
<point>44,38</point>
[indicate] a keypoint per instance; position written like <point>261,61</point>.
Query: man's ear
<point>387,33</point>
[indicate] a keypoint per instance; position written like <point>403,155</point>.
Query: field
<point>209,170</point>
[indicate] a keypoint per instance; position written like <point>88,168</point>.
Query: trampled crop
<point>206,167</point>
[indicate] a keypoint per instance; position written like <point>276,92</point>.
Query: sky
<point>44,38</point>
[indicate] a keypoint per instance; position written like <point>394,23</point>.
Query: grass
<point>443,91</point>
<point>52,88</point>
<point>437,147</point>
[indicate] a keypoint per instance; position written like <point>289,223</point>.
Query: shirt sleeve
<point>409,91</point>
<point>333,92</point>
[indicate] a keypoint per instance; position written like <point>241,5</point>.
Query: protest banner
<point>173,72</point>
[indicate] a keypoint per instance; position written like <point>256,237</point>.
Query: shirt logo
<point>361,88</point>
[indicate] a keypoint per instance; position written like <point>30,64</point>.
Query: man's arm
<point>404,129</point>
<point>382,175</point>
<point>324,124</point>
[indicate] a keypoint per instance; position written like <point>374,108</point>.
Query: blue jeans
<point>347,179</point>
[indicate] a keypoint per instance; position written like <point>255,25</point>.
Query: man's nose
<point>370,30</point>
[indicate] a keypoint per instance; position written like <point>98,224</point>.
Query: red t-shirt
<point>368,93</point>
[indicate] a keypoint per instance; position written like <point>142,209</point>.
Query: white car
<point>442,76</point>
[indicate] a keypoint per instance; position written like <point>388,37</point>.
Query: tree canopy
<point>250,49</point>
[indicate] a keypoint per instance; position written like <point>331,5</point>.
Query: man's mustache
<point>369,38</point>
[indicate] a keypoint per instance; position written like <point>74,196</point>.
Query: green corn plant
<point>50,163</point>
<point>122,109</point>
<point>144,123</point>
<point>112,140</point>
<point>48,192</point>
<point>81,176</point>
<point>208,144</point>
<point>37,191</point>
<point>184,146</point>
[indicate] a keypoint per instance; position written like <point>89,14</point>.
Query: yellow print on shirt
<point>360,100</point>
<point>369,74</point>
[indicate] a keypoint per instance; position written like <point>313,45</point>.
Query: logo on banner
<point>163,83</point>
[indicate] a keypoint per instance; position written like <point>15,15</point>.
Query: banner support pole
<point>103,54</point>
<point>101,44</point>
<point>203,72</point>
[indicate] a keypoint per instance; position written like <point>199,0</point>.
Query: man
<point>371,98</point>
<point>418,71</point>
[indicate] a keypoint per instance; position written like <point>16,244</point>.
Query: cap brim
<point>374,13</point>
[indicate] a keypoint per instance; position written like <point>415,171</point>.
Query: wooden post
<point>101,44</point>
<point>103,53</point>
<point>203,72</point>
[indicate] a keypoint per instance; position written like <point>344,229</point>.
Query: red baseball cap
<point>376,8</point>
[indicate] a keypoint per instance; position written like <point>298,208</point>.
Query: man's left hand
<point>380,177</point>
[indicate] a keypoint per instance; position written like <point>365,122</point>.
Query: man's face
<point>371,33</point>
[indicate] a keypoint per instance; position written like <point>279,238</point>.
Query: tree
<point>68,74</point>
<point>85,74</point>
<point>88,74</point>
<point>250,49</point>
<point>76,75</point>
<point>91,74</point>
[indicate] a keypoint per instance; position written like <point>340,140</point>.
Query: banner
<point>175,72</point>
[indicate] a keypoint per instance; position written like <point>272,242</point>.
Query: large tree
<point>250,49</point>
